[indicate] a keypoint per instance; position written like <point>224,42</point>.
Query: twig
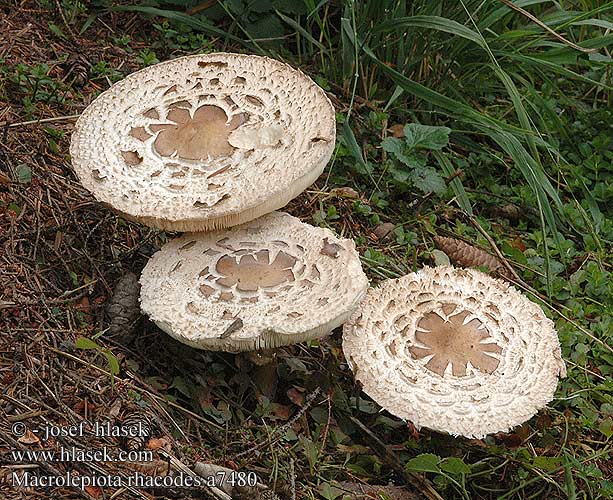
<point>41,120</point>
<point>492,243</point>
<point>177,465</point>
<point>73,36</point>
<point>292,478</point>
<point>392,460</point>
<point>279,432</point>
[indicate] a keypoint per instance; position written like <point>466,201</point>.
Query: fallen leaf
<point>93,491</point>
<point>345,192</point>
<point>159,443</point>
<point>295,396</point>
<point>280,411</point>
<point>382,231</point>
<point>29,438</point>
<point>397,130</point>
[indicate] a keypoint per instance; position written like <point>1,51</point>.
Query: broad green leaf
<point>311,451</point>
<point>428,180</point>
<point>420,136</point>
<point>329,492</point>
<point>85,343</point>
<point>440,258</point>
<point>426,462</point>
<point>24,174</point>
<point>112,361</point>
<point>547,463</point>
<point>606,427</point>
<point>454,465</point>
<point>403,154</point>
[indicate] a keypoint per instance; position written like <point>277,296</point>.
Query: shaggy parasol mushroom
<point>267,283</point>
<point>454,350</point>
<point>204,142</point>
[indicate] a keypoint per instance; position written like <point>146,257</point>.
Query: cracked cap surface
<point>263,284</point>
<point>454,350</point>
<point>205,141</point>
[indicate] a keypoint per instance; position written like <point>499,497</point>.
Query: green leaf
<point>547,463</point>
<point>352,144</point>
<point>426,462</point>
<point>461,196</point>
<point>265,27</point>
<point>24,174</point>
<point>290,6</point>
<point>311,451</point>
<point>329,492</point>
<point>398,149</point>
<point>56,30</point>
<point>428,180</point>
<point>296,365</point>
<point>454,465</point>
<point>435,23</point>
<point>180,384</point>
<point>85,343</point>
<point>13,207</point>
<point>440,258</point>
<point>420,136</point>
<point>191,21</point>
<point>112,361</point>
<point>606,427</point>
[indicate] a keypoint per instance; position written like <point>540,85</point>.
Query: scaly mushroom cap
<point>204,141</point>
<point>454,350</point>
<point>271,282</point>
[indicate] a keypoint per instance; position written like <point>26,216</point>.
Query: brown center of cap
<point>193,137</point>
<point>253,271</point>
<point>449,340</point>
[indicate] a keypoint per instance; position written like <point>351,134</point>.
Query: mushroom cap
<point>454,350</point>
<point>267,283</point>
<point>205,141</point>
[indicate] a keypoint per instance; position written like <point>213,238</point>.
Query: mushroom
<point>264,284</point>
<point>204,142</point>
<point>454,350</point>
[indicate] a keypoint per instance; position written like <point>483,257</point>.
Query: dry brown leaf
<point>282,412</point>
<point>159,444</point>
<point>93,491</point>
<point>359,491</point>
<point>397,130</point>
<point>4,179</point>
<point>29,438</point>
<point>384,230</point>
<point>345,192</point>
<point>295,396</point>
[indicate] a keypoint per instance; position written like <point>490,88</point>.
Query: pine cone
<point>141,421</point>
<point>466,255</point>
<point>123,309</point>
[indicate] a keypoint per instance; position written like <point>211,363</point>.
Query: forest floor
<point>300,423</point>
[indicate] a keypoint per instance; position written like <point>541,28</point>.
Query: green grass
<point>526,120</point>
